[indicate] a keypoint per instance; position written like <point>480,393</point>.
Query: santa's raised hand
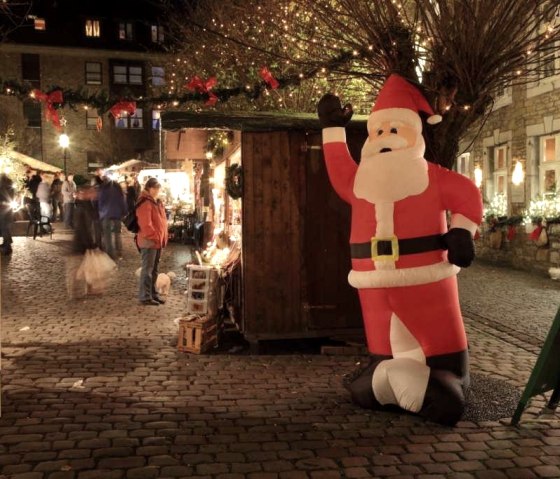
<point>331,113</point>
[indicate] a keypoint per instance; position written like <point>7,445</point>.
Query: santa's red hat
<point>400,100</point>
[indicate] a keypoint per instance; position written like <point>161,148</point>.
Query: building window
<point>156,116</point>
<point>31,69</point>
<point>500,170</point>
<point>93,73</point>
<point>92,118</point>
<point>94,161</point>
<point>127,75</point>
<point>40,24</point>
<point>464,165</point>
<point>32,113</point>
<point>158,76</point>
<point>157,34</point>
<point>549,164</point>
<point>125,31</point>
<point>93,28</point>
<point>133,122</point>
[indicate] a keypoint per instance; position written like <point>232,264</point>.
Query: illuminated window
<point>126,31</point>
<point>549,164</point>
<point>500,170</point>
<point>40,24</point>
<point>157,34</point>
<point>158,76</point>
<point>93,28</point>
<point>134,122</point>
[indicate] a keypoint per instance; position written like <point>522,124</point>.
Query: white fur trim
<point>434,119</point>
<point>334,134</point>
<point>402,382</point>
<point>406,115</point>
<point>403,343</point>
<point>402,277</point>
<point>460,221</point>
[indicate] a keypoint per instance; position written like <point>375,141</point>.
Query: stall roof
<point>33,163</point>
<point>248,121</point>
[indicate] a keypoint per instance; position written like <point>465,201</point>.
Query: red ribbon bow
<point>123,106</point>
<point>268,78</point>
<point>51,113</point>
<point>205,87</point>
<point>511,232</point>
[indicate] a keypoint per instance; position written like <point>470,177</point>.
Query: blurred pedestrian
<point>44,195</point>
<point>151,239</point>
<point>56,197</point>
<point>112,208</point>
<point>68,197</point>
<point>7,194</point>
<point>97,181</point>
<point>131,194</point>
<point>32,182</point>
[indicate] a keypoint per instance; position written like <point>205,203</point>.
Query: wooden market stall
<point>295,254</point>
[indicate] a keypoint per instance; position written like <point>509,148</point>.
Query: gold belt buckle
<point>385,257</point>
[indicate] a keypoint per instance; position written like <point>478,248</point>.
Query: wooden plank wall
<point>274,175</point>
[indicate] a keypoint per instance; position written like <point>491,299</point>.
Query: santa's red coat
<point>421,288</point>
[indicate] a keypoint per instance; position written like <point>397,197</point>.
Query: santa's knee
<point>444,401</point>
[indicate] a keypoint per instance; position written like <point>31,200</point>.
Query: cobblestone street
<point>95,389</point>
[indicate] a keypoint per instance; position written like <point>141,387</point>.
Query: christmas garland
<point>234,181</point>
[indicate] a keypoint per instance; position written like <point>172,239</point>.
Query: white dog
<point>163,281</point>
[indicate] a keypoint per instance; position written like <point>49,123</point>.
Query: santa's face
<point>392,165</point>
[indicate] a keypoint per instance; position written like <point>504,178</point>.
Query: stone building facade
<point>523,130</point>
<point>117,51</point>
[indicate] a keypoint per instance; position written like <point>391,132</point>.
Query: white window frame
<point>92,75</point>
<point>91,119</point>
<point>131,122</point>
<point>93,28</point>
<point>157,33</point>
<point>463,165</point>
<point>500,172</point>
<point>128,74</point>
<point>545,166</point>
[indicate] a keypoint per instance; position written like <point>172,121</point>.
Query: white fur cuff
<point>460,221</point>
<point>334,134</point>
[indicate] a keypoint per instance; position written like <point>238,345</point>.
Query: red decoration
<point>123,107</point>
<point>476,235</point>
<point>268,78</point>
<point>200,86</point>
<point>99,123</point>
<point>511,232</point>
<point>536,233</point>
<point>49,99</point>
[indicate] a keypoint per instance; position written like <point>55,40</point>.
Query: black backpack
<point>130,221</point>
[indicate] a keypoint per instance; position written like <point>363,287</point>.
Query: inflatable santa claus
<point>404,259</point>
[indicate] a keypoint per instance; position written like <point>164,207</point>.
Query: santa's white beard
<point>391,176</point>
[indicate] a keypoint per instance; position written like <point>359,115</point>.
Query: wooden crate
<point>197,335</point>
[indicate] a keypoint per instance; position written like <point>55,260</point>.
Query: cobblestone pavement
<point>94,389</point>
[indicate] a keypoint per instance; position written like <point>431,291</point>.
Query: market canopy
<point>33,163</point>
<point>248,121</point>
<point>132,164</point>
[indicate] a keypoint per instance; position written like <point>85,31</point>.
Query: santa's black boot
<point>444,401</point>
<point>360,386</point>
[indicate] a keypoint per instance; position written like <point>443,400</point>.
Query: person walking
<point>112,208</point>
<point>131,194</point>
<point>68,196</point>
<point>56,197</point>
<point>150,240</point>
<point>7,194</point>
<point>44,196</point>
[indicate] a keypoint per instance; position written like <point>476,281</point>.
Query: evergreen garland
<point>234,181</point>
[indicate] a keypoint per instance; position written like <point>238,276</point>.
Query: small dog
<point>163,281</point>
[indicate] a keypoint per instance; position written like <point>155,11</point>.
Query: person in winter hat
<point>404,261</point>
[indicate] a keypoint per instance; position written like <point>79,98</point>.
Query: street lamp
<point>64,142</point>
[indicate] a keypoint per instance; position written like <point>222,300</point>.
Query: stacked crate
<point>198,331</point>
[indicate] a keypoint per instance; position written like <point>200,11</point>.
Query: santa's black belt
<point>391,248</point>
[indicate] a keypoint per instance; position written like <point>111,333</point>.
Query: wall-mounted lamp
<point>518,174</point>
<point>477,176</point>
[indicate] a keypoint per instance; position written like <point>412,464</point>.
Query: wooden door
<point>330,302</point>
